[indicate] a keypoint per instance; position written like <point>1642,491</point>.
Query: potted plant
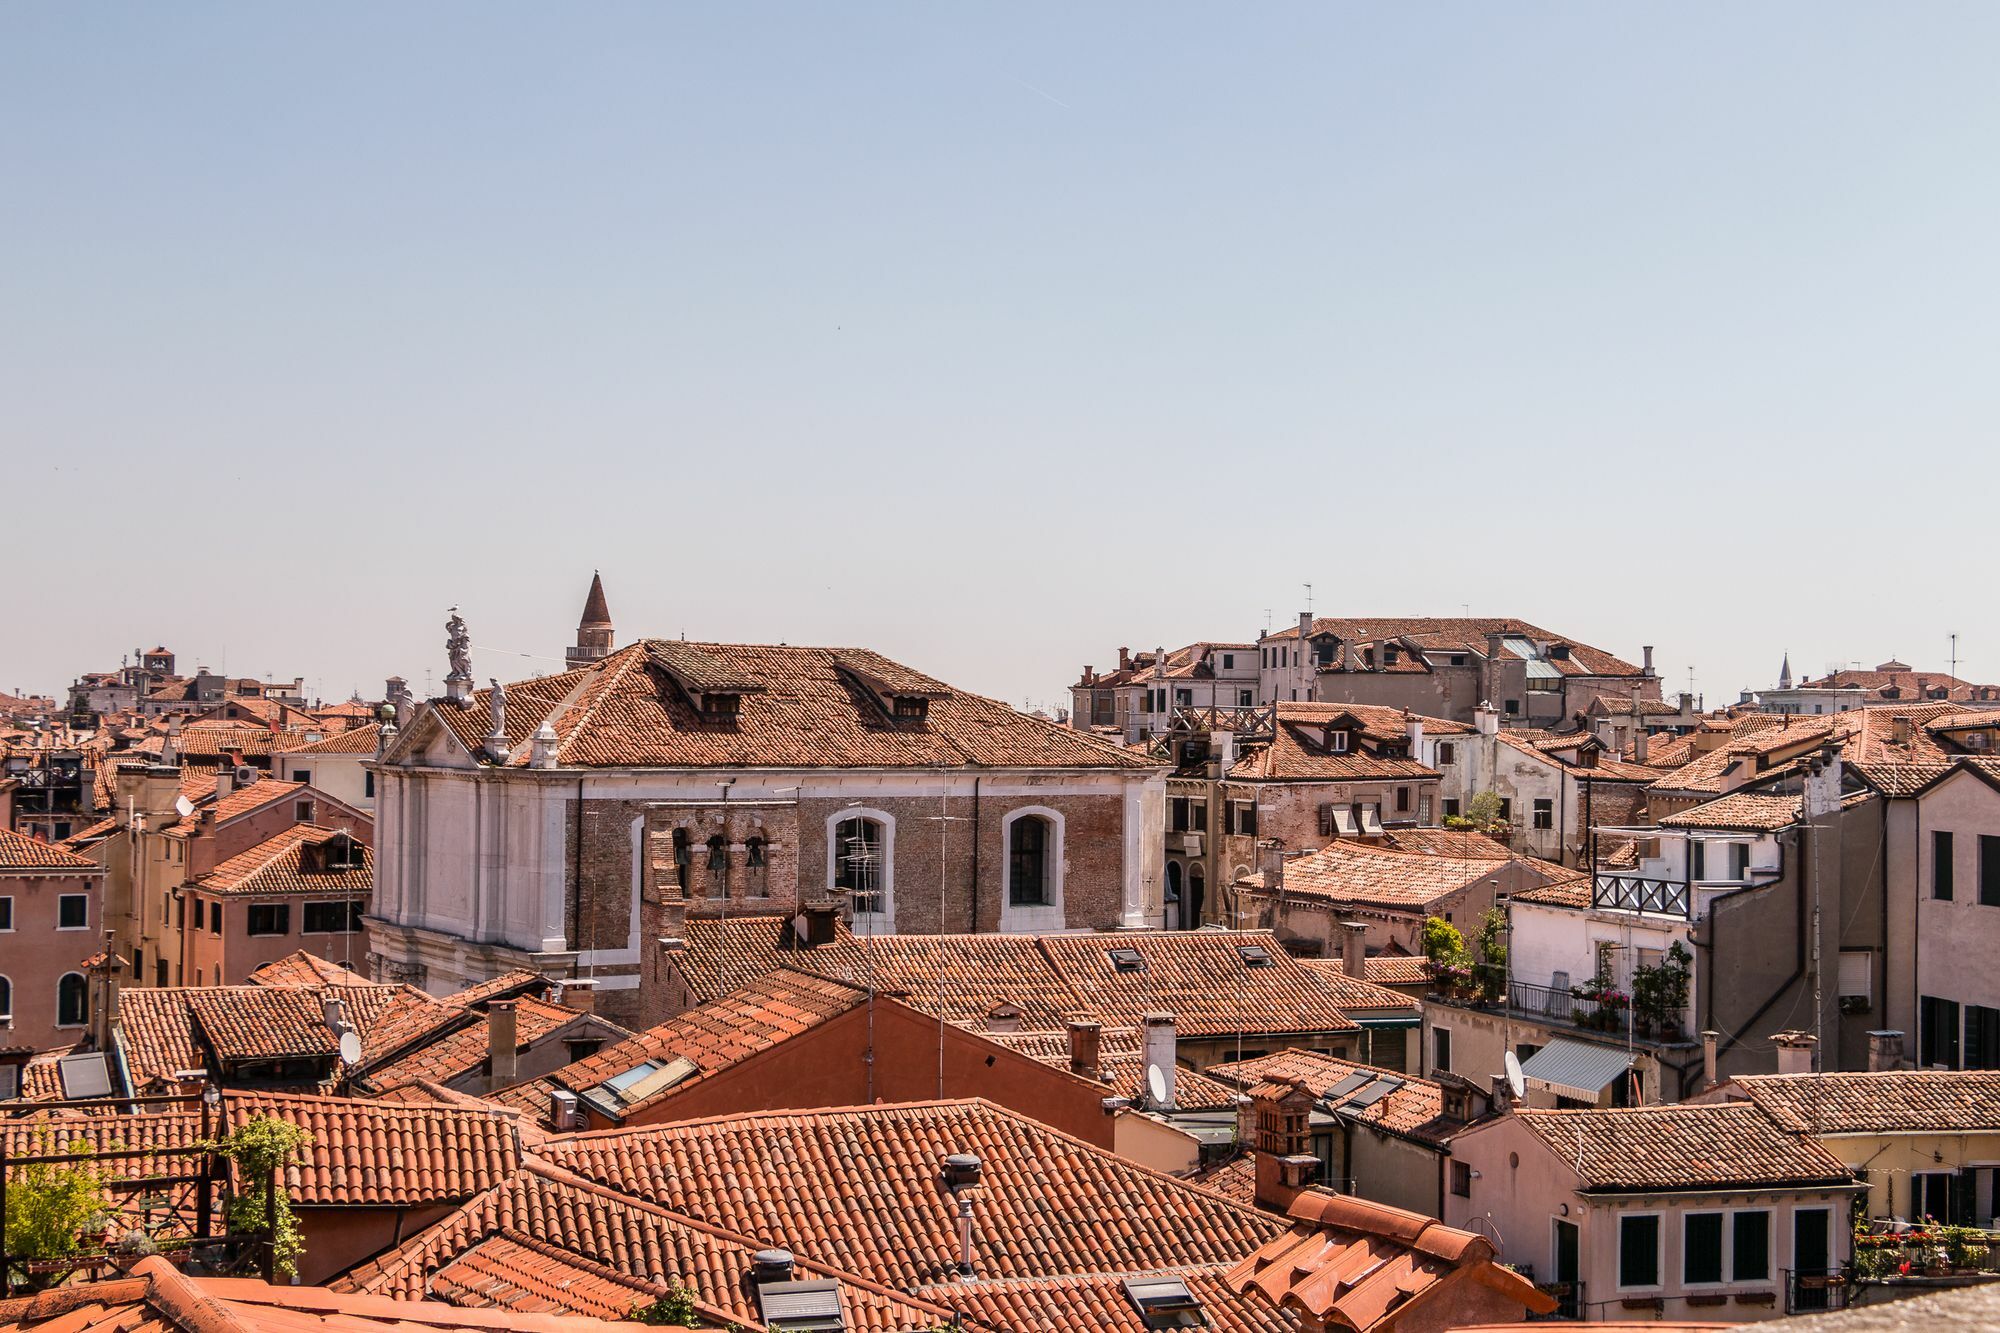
<point>1674,973</point>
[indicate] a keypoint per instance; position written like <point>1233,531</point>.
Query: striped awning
<point>1575,1068</point>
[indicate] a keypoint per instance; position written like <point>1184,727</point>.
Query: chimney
<point>1823,782</point>
<point>1486,718</point>
<point>1159,1048</point>
<point>1354,949</point>
<point>1085,1044</point>
<point>1124,659</point>
<point>1280,1135</point>
<point>1648,668</point>
<point>1500,1099</point>
<point>1160,662</point>
<point>1004,1017</point>
<point>1639,728</point>
<point>333,1010</point>
<point>1271,860</point>
<point>225,778</point>
<point>1709,1075</point>
<point>673,920</point>
<point>1904,728</point>
<point>1089,674</point>
<point>1414,726</point>
<point>962,1172</point>
<point>1885,1051</point>
<point>502,1036</point>
<point>771,1266</point>
<point>579,994</point>
<point>1795,1052</point>
<point>542,747</point>
<point>820,915</point>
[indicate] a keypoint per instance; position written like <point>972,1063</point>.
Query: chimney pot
<point>772,1265</point>
<point>1648,668</point>
<point>502,1036</point>
<point>1160,1048</point>
<point>820,915</point>
<point>1709,1039</point>
<point>1885,1050</point>
<point>1795,1052</point>
<point>1085,1047</point>
<point>1354,949</point>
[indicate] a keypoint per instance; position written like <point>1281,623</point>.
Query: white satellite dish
<point>183,806</point>
<point>1515,1083</point>
<point>350,1048</point>
<point>1156,1085</point>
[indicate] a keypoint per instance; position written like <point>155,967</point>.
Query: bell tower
<point>593,632</point>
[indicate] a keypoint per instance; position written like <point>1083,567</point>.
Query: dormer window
<point>1254,955</point>
<point>1128,960</point>
<point>1336,742</point>
<point>909,709</point>
<point>722,707</point>
<point>1559,652</point>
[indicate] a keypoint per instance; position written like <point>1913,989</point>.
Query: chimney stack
<point>1885,1051</point>
<point>1280,1136</point>
<point>1124,659</point>
<point>502,1036</point>
<point>1160,1049</point>
<point>1639,728</point>
<point>225,778</point>
<point>1709,1075</point>
<point>1648,668</point>
<point>579,994</point>
<point>1414,726</point>
<point>1486,718</point>
<point>1271,861</point>
<point>333,1010</point>
<point>771,1266</point>
<point>820,915</point>
<point>1354,949</point>
<point>1085,1048</point>
<point>1795,1052</point>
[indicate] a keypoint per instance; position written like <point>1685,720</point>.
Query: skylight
<point>1128,960</point>
<point>1254,955</point>
<point>1164,1302</point>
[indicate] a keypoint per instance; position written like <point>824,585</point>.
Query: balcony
<point>1639,893</point>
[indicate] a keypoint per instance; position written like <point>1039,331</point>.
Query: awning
<point>1575,1068</point>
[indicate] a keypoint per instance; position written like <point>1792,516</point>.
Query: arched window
<point>1191,902</point>
<point>6,998</point>
<point>1173,881</point>
<point>718,853</point>
<point>72,1001</point>
<point>1028,862</point>
<point>858,859</point>
<point>753,853</point>
<point>682,857</point>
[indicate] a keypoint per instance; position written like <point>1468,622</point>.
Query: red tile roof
<point>1300,752</point>
<point>1098,1301</point>
<point>1687,1146</point>
<point>1461,843</point>
<point>1351,872</point>
<point>1458,634</point>
<point>773,1175</point>
<point>18,851</point>
<point>1354,1264</point>
<point>166,1029</point>
<point>157,1298</point>
<point>1203,978</point>
<point>300,968</point>
<point>545,1239</point>
<point>1414,1109</point>
<point>445,1056</point>
<point>281,864</point>
<point>1121,1065</point>
<point>800,708</point>
<point>1892,1101</point>
<point>355,740</point>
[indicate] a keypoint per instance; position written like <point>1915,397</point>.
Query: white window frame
<point>69,1027</point>
<point>1659,1250</point>
<point>61,898</point>
<point>863,923</point>
<point>7,1010</point>
<point>1043,918</point>
<point>9,928</point>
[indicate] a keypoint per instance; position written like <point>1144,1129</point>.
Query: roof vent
<point>1128,960</point>
<point>771,1266</point>
<point>1164,1302</point>
<point>802,1307</point>
<point>1255,955</point>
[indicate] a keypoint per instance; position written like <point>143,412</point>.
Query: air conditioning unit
<point>562,1109</point>
<point>245,775</point>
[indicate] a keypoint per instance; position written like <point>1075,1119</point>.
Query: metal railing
<point>1639,893</point>
<point>1812,1289</point>
<point>1557,1004</point>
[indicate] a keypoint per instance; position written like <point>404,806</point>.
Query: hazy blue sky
<point>993,337</point>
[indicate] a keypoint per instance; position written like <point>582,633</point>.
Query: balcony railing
<point>1639,893</point>
<point>1246,723</point>
<point>1811,1289</point>
<point>1559,1005</point>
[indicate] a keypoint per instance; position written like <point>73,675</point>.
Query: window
<point>159,972</point>
<point>214,917</point>
<point>269,919</point>
<point>1513,706</point>
<point>1545,813</point>
<point>1982,1037</point>
<point>302,775</point>
<point>6,913</point>
<point>1183,698</point>
<point>1701,1248</point>
<point>857,872</point>
<point>1700,858</point>
<point>1739,860</point>
<point>682,857</point>
<point>718,853</point>
<point>1336,742</point>
<point>1441,1050</point>
<point>1246,698</point>
<point>1229,661</point>
<point>1128,960</point>
<point>1857,978</point>
<point>6,998</point>
<point>335,918</point>
<point>368,785</point>
<point>1402,800</point>
<point>1461,1179</point>
<point>1028,862</point>
<point>1931,1195</point>
<point>1451,807</point>
<point>302,812</point>
<point>1937,1033</point>
<point>1750,1246</point>
<point>1639,1250</point>
<point>73,911</point>
<point>1941,866</point>
<point>1177,814</point>
<point>1243,818</point>
<point>72,1001</point>
<point>1506,809</point>
<point>1447,753</point>
<point>1989,870</point>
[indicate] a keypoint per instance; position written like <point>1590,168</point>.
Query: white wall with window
<point>1031,892</point>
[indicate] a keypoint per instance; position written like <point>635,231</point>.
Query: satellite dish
<point>1156,1085</point>
<point>350,1048</point>
<point>1515,1083</point>
<point>183,806</point>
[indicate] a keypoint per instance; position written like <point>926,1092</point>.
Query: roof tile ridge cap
<point>185,1304</point>
<point>1041,950</point>
<point>606,674</point>
<point>530,1241</point>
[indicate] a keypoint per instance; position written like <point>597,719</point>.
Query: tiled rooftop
<point>283,864</point>
<point>1414,1110</point>
<point>1892,1101</point>
<point>18,851</point>
<point>1351,872</point>
<point>1702,1146</point>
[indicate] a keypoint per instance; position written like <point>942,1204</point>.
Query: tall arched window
<point>857,863</point>
<point>1028,875</point>
<point>72,1001</point>
<point>1173,902</point>
<point>682,857</point>
<point>1192,906</point>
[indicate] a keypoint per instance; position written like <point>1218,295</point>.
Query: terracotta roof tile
<point>300,968</point>
<point>1892,1101</point>
<point>1682,1147</point>
<point>1464,844</point>
<point>1351,872</point>
<point>773,1175</point>
<point>1214,982</point>
<point>355,740</point>
<point>18,851</point>
<point>1098,1301</point>
<point>1121,1065</point>
<point>286,864</point>
<point>444,1056</point>
<point>1414,1109</point>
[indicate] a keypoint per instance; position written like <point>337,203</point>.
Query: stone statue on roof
<point>458,646</point>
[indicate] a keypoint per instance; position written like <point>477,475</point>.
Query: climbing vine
<point>261,1148</point>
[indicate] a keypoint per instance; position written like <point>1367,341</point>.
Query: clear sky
<point>995,336</point>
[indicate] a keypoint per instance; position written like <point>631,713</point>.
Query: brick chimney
<point>579,994</point>
<point>1274,1122</point>
<point>1271,861</point>
<point>1085,1047</point>
<point>1885,1051</point>
<point>1354,949</point>
<point>820,915</point>
<point>1004,1017</point>
<point>1124,659</point>
<point>502,1036</point>
<point>1795,1052</point>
